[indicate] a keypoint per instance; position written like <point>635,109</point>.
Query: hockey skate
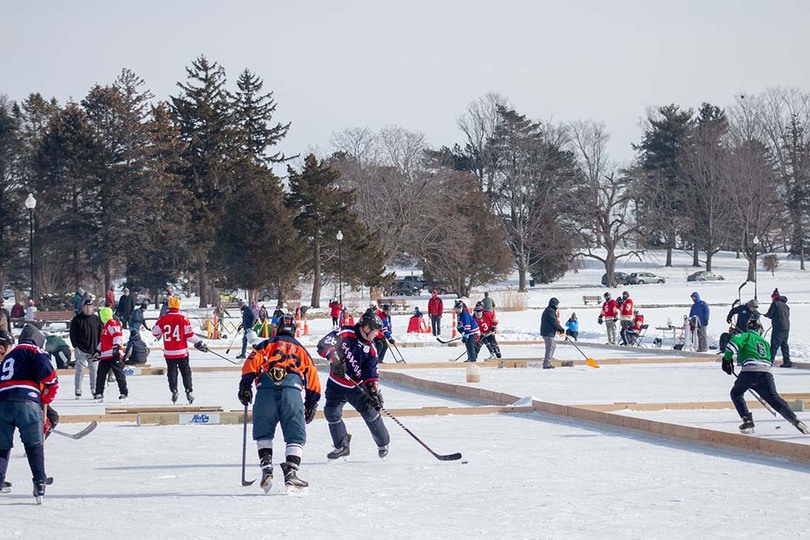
<point>748,424</point>
<point>342,452</point>
<point>174,397</point>
<point>267,477</point>
<point>98,397</point>
<point>291,481</point>
<point>122,398</point>
<point>798,424</point>
<point>190,397</point>
<point>382,451</point>
<point>39,491</point>
<point>6,487</point>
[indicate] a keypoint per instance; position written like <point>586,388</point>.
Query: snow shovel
<point>590,362</point>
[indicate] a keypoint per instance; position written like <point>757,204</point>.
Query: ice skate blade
<point>340,459</point>
<point>296,491</point>
<point>747,431</point>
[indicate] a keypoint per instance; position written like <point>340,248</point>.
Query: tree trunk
<point>695,255</point>
<point>610,267</point>
<point>202,280</point>
<point>708,261</point>
<point>315,301</point>
<point>752,270</point>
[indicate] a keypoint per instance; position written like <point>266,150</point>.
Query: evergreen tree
<point>253,113</point>
<point>204,119</point>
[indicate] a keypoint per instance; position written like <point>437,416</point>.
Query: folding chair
<point>639,338</point>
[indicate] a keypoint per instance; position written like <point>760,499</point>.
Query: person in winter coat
<point>779,314</point>
<point>123,311</point>
<point>609,314</point>
<point>743,312</point>
<point>85,335</point>
<point>334,312</point>
<point>572,326</point>
<point>700,314</point>
<point>137,351</point>
<point>138,318</point>
<point>467,326</point>
<point>549,327</point>
<point>625,316</point>
<point>5,317</point>
<point>435,309</point>
<point>248,321</point>
<point>78,300</point>
<point>109,298</point>
<point>384,337</point>
<point>59,351</point>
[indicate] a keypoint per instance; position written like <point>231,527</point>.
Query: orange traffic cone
<point>298,329</point>
<point>306,328</point>
<point>455,333</point>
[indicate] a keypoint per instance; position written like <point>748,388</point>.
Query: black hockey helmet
<point>458,305</point>
<point>607,295</point>
<point>479,307</point>
<point>371,319</point>
<point>754,324</point>
<point>286,325</point>
<point>6,338</point>
<point>386,308</point>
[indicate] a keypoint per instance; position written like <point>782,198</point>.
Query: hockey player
<point>744,313</point>
<point>754,358</point>
<point>112,339</point>
<point>282,370</point>
<point>27,377</point>
<point>467,326</point>
<point>608,315</point>
<point>177,332</point>
<point>353,362</point>
<point>625,317</point>
<point>487,324</point>
<point>384,338</point>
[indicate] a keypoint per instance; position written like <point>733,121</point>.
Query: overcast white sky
<point>418,64</point>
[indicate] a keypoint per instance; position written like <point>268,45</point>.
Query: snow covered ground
<point>526,476</point>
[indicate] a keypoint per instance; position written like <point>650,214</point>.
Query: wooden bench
<point>397,304</point>
<point>595,298</point>
<point>47,317</point>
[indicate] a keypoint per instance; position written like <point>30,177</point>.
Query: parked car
<point>621,278</point>
<point>704,275</point>
<point>640,278</point>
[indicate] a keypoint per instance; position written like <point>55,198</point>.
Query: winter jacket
<point>700,309</point>
<point>78,300</point>
<point>572,326</point>
<point>334,309</point>
<point>85,332</point>
<point>124,308</point>
<point>248,318</point>
<point>743,316</point>
<point>435,306</point>
<point>137,320</point>
<point>549,325</point>
<point>779,314</point>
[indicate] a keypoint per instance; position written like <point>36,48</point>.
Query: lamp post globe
<point>30,204</point>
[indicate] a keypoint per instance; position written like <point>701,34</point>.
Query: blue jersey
<point>466,324</point>
<point>26,374</point>
<point>386,324</point>
<point>359,355</point>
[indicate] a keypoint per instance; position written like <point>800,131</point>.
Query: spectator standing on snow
<point>124,308</point>
<point>700,310</point>
<point>109,298</point>
<point>5,317</point>
<point>31,312</point>
<point>435,309</point>
<point>248,321</point>
<point>85,335</point>
<point>549,327</point>
<point>779,314</point>
<point>78,300</point>
<point>609,314</point>
<point>138,318</point>
<point>488,303</point>
<point>334,312</point>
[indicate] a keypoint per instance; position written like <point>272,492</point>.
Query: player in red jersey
<point>177,333</point>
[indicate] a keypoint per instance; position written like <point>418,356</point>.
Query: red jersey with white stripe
<point>176,330</point>
<point>627,309</point>
<point>610,309</point>
<point>112,335</point>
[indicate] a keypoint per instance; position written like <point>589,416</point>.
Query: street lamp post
<point>339,237</point>
<point>31,203</point>
<point>756,246</point>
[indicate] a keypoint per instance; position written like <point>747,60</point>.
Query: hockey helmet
<point>371,319</point>
<point>386,308</point>
<point>6,338</point>
<point>479,307</point>
<point>174,302</point>
<point>458,305</point>
<point>607,296</point>
<point>105,314</point>
<point>752,303</point>
<point>754,324</point>
<point>286,325</point>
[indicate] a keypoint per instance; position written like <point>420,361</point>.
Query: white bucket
<point>473,372</point>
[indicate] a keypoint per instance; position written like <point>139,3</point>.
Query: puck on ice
<point>463,462</point>
<point>778,427</point>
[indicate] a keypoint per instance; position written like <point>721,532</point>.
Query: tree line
<point>155,190</point>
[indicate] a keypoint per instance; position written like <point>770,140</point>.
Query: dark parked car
<point>621,278</point>
<point>640,278</point>
<point>704,275</point>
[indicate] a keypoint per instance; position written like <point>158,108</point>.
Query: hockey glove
<point>339,369</point>
<point>374,395</point>
<point>599,320</point>
<point>245,394</point>
<point>201,346</point>
<point>116,357</point>
<point>94,357</point>
<point>391,341</point>
<point>309,412</point>
<point>728,366</point>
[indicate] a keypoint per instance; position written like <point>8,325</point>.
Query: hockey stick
<point>440,457</point>
<point>228,350</point>
<point>443,342</point>
<point>588,361</point>
<point>245,482</point>
<point>222,356</point>
<point>76,436</point>
<point>768,407</point>
<point>457,358</point>
<point>401,359</point>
